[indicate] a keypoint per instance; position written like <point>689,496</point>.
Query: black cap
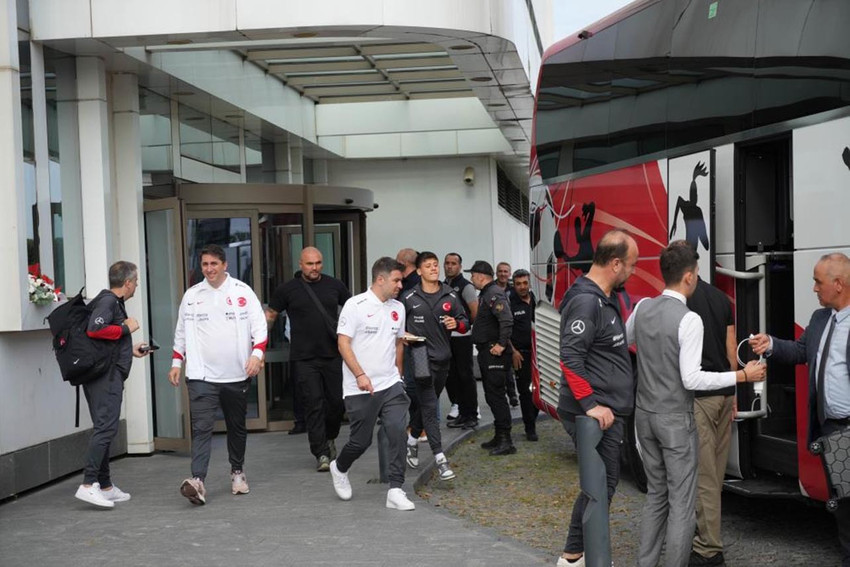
<point>481,267</point>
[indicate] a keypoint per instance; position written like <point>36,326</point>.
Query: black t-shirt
<point>308,330</point>
<point>714,308</point>
<point>523,318</point>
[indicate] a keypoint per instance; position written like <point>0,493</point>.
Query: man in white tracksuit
<point>222,334</point>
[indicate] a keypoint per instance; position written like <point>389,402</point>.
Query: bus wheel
<point>631,450</point>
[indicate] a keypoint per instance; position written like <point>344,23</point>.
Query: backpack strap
<point>329,323</point>
<point>77,408</point>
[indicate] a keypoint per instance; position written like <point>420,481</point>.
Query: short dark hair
<point>459,259</point>
<point>384,266</point>
<point>426,255</point>
<point>614,244</point>
<point>520,273</point>
<point>676,260</point>
<point>120,272</point>
<point>213,250</point>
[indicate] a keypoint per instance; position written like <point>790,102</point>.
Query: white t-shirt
<point>374,327</point>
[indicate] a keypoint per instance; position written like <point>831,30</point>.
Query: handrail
<point>739,275</point>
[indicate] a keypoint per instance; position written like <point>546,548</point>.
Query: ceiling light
<point>183,93</point>
<point>494,104</point>
<point>462,47</point>
<point>481,79</point>
<point>178,42</point>
<point>302,35</point>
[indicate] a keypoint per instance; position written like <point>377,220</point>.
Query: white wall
<point>425,205</point>
<point>35,404</point>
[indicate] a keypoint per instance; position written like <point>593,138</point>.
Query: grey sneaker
<point>193,489</point>
<point>445,472</point>
<point>331,449</point>
<point>412,456</point>
<point>238,483</point>
<point>323,463</point>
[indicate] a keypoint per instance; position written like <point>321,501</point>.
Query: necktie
<point>824,355</point>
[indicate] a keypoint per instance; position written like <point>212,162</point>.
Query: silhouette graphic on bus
<point>845,155</point>
<point>583,259</point>
<point>691,213</point>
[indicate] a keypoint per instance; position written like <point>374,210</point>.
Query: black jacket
<point>594,352</point>
<point>494,321</point>
<point>423,318</point>
<point>106,322</point>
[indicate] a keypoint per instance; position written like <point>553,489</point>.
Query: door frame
<point>179,226</point>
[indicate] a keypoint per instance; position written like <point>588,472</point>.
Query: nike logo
<point>190,303</point>
<point>415,305</point>
<point>613,320</point>
<point>369,314</point>
<point>76,361</point>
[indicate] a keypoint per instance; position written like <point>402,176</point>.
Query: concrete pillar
<point>95,177</point>
<point>129,217</point>
<point>296,164</point>
<point>13,291</point>
<point>281,163</point>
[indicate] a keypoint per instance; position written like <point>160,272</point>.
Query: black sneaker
<point>531,435</point>
<point>698,560</point>
<point>470,423</point>
<point>461,421</point>
<point>491,443</point>
<point>514,401</point>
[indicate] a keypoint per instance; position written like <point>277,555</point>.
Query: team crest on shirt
<point>242,302</point>
<point>228,301</point>
<point>394,315</point>
<point>499,307</point>
<point>447,306</point>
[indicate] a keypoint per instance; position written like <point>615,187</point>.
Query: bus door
<point>764,302</point>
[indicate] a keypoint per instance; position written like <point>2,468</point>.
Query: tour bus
<point>723,123</point>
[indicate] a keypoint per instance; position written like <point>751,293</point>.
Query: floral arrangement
<point>42,290</point>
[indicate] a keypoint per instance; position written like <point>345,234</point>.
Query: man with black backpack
<point>311,301</point>
<point>109,322</point>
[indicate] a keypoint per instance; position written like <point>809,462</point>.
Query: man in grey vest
<point>669,350</point>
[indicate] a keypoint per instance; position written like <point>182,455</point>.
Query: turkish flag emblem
<point>447,306</point>
<point>242,302</point>
<point>394,315</point>
<point>229,302</point>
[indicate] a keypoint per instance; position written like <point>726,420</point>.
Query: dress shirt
<point>836,379</point>
<point>690,350</point>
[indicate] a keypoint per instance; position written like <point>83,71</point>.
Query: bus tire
<point>631,450</point>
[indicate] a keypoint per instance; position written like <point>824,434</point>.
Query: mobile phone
<point>151,346</point>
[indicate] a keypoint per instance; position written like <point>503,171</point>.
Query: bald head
<point>407,256</point>
<point>614,260</point>
<point>311,264</point>
<point>832,281</point>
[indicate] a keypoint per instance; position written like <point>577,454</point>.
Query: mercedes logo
<point>577,327</point>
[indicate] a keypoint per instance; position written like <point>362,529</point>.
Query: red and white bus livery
<point>726,124</point>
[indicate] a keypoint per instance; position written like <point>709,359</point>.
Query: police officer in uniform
<point>522,308</point>
<point>491,334</point>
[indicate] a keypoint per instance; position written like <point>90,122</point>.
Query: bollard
<point>592,478</point>
<point>383,456</point>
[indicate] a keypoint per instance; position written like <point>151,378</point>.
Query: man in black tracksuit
<point>491,334</point>
<point>109,322</point>
<point>433,311</point>
<point>597,367</point>
<point>460,384</point>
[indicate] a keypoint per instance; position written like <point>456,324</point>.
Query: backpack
<point>80,358</point>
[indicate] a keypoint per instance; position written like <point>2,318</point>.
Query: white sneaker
<point>397,500</point>
<point>114,494</point>
<point>564,563</point>
<point>342,486</point>
<point>453,412</point>
<point>93,495</point>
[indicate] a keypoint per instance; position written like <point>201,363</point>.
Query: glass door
<point>164,244</point>
<point>236,231</point>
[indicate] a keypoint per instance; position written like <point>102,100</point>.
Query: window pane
<point>30,190</point>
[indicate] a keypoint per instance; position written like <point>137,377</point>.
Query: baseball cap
<point>481,267</point>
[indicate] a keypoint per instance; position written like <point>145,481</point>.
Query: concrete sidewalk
<point>291,517</point>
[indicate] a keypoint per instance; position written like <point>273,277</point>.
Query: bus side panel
<point>821,171</point>
<point>567,220</point>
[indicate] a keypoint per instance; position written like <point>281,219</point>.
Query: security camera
<point>469,176</point>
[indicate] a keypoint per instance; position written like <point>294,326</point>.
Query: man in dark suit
<point>828,359</point>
